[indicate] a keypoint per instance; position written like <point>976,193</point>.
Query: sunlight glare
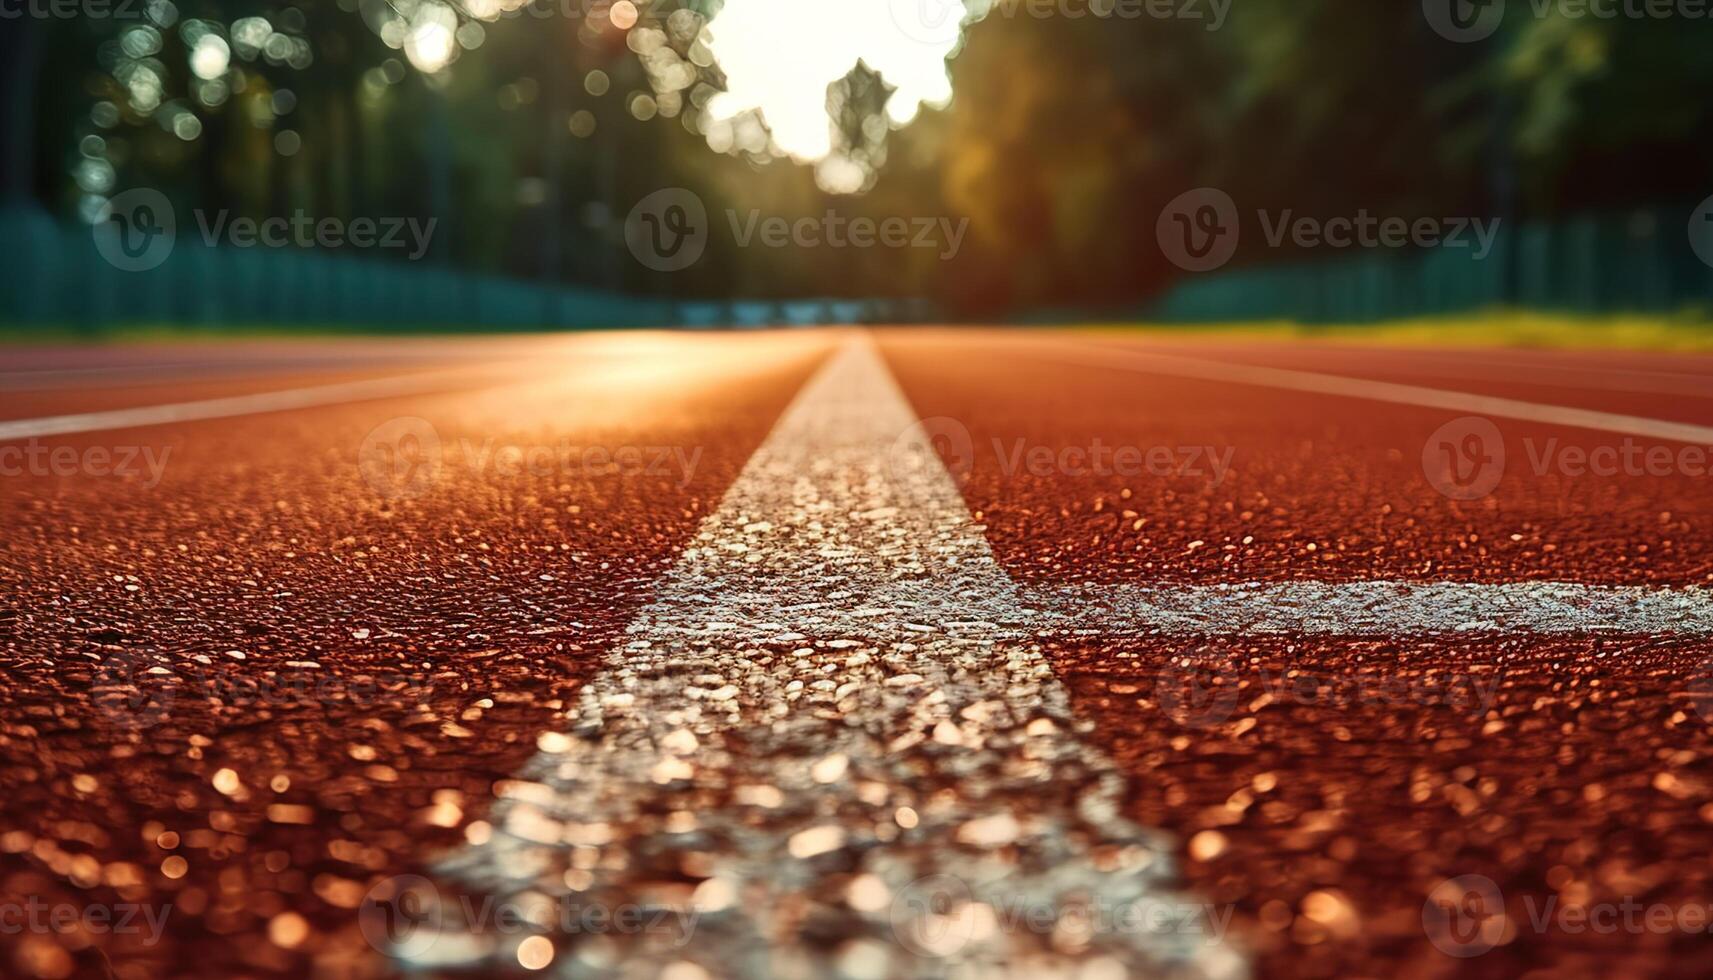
<point>779,56</point>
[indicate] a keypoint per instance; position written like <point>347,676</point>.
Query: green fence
<point>54,276</point>
<point>1642,261</point>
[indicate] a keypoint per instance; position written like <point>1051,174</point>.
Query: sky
<point>779,56</point>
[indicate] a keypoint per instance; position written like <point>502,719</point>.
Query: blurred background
<point>1059,130</point>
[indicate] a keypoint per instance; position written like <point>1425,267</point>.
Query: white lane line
<point>1313,382</point>
<point>1571,375</point>
<point>1466,364</point>
<point>220,408</point>
<point>169,372</point>
<point>8,378</point>
<point>835,719</point>
<point>1382,609</point>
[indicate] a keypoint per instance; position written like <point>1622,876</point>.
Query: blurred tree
<point>528,132</point>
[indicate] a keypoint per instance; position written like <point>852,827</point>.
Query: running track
<point>863,648</point>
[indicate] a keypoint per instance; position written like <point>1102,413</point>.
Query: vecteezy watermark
<point>136,230</point>
<point>1202,689</point>
<point>146,464</point>
<point>668,230</point>
<point>403,457</point>
<point>400,457</point>
<point>930,444</point>
<point>117,918</point>
<point>1198,689</point>
<point>1100,459</point>
<point>406,915</point>
<point>1465,21</point>
<point>1467,916</point>
<point>936,21</point>
<point>597,10</point>
<point>136,691</point>
<point>1199,230</point>
<point>947,441</point>
<point>73,9</point>
<point>941,915</point>
<point>1701,232</point>
<point>834,230</point>
<point>304,230</point>
<point>1701,689</point>
<point>1465,459</point>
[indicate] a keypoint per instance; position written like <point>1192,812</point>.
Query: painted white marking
<point>835,719</point>
<point>834,747</point>
<point>27,376</point>
<point>1571,374</point>
<point>1314,382</point>
<point>220,408</point>
<point>1381,609</point>
<point>174,372</point>
<point>1499,365</point>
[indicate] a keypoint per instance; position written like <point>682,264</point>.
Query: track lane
<point>1304,860</point>
<point>1611,381</point>
<point>1328,785</point>
<point>344,672</point>
<point>1232,483</point>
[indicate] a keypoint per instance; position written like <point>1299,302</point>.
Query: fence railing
<point>1644,261</point>
<point>55,275</point>
<point>1640,261</point>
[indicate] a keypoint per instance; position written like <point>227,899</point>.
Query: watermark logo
<point>667,230</point>
<point>135,693</point>
<point>304,230</point>
<point>135,230</point>
<point>937,22</point>
<point>1202,689</point>
<point>1197,690</point>
<point>943,440</point>
<point>140,464</point>
<point>1464,21</point>
<point>400,457</point>
<point>934,442</point>
<point>118,919</point>
<point>1465,916</point>
<point>131,693</point>
<point>406,915</point>
<point>1701,690</point>
<point>833,230</point>
<point>401,916</point>
<point>1464,459</point>
<point>934,916</point>
<point>938,916</point>
<point>1103,459</point>
<point>934,22</point>
<point>1199,230</point>
<point>1701,232</point>
<point>73,9</point>
<point>404,457</point>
